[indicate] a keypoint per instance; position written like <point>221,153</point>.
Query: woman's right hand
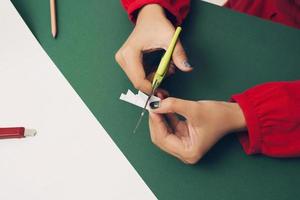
<point>152,31</point>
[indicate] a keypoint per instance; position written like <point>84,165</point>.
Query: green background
<point>230,53</point>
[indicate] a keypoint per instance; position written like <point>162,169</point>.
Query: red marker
<point>16,132</point>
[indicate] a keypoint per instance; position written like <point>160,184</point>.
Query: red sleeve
<point>178,8</point>
<point>272,113</point>
<point>280,11</point>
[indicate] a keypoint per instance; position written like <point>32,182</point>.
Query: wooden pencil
<point>53,18</point>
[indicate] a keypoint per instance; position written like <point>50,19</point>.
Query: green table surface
<point>230,53</point>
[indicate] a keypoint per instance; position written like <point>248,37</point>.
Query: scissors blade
<point>143,113</point>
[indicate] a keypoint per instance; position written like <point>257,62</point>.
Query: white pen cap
<point>29,132</point>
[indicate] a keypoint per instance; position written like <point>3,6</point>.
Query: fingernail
<point>187,64</point>
<point>154,104</point>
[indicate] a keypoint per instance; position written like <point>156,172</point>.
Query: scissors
<point>160,72</point>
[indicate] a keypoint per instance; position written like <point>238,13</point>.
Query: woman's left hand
<point>206,122</point>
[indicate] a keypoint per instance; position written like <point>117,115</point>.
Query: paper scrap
<point>138,99</point>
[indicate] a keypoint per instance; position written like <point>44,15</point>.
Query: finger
<point>179,127</point>
<point>173,120</point>
<point>150,76</point>
<point>171,105</point>
<point>161,93</point>
<point>180,58</point>
<point>130,61</point>
<point>171,70</point>
<point>162,138</point>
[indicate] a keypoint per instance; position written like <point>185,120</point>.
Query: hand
<point>152,31</point>
<point>206,122</point>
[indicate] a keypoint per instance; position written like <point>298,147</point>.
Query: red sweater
<point>281,11</point>
<point>271,110</point>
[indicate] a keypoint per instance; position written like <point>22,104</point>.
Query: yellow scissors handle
<point>164,62</point>
<point>160,72</point>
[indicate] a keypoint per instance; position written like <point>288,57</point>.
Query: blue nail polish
<point>154,104</point>
<point>186,63</point>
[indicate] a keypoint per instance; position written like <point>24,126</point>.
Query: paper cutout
<point>138,99</point>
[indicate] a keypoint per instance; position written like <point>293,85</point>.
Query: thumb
<point>180,59</point>
<point>170,105</point>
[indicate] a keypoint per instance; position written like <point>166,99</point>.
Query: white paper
<point>138,99</point>
<point>72,157</point>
